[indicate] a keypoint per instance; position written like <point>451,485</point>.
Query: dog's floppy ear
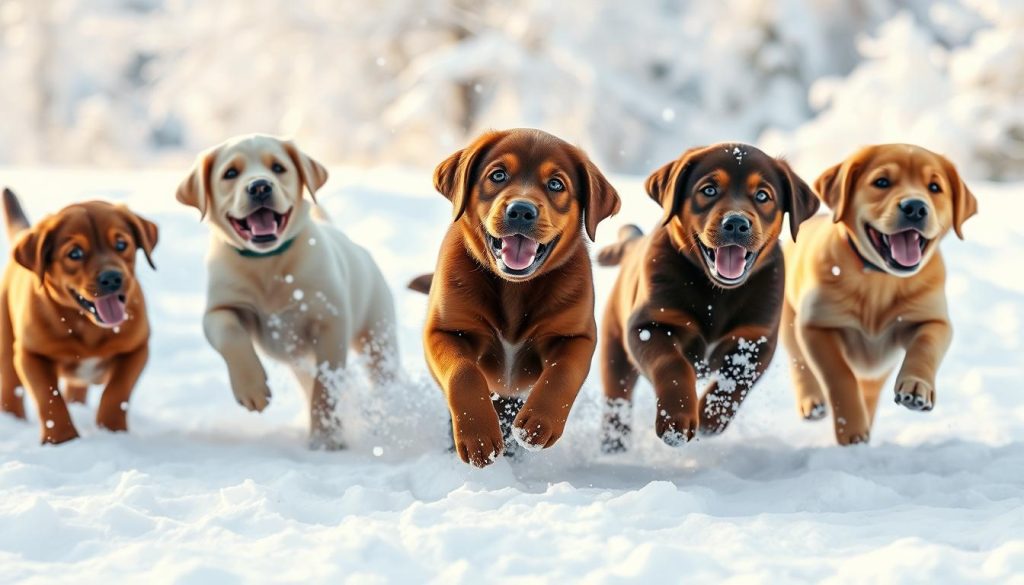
<point>312,173</point>
<point>195,190</point>
<point>452,177</point>
<point>964,203</point>
<point>599,198</point>
<point>835,185</point>
<point>664,184</point>
<point>144,232</point>
<point>34,249</point>
<point>798,199</point>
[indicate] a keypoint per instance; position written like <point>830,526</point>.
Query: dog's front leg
<point>112,413</point>
<point>227,335</point>
<point>331,351</point>
<point>542,419</point>
<point>40,375</point>
<point>739,360</point>
<point>658,348</point>
<point>824,349</point>
<point>475,425</point>
<point>926,345</point>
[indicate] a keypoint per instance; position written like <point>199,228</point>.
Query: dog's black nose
<point>914,209</point>
<point>521,215</point>
<point>736,225</point>
<point>260,190</point>
<point>110,281</point>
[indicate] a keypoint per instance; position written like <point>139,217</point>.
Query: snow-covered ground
<point>201,491</point>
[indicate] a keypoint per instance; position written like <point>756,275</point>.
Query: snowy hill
<point>201,491</point>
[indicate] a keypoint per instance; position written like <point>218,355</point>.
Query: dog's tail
<point>17,221</point>
<point>629,235</point>
<point>421,283</point>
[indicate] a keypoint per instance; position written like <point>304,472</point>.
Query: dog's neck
<point>246,253</point>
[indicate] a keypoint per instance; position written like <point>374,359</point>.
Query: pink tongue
<point>906,248</point>
<point>262,223</point>
<point>729,261</point>
<point>518,252</point>
<point>110,309</point>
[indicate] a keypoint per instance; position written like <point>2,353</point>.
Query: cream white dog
<point>283,280</point>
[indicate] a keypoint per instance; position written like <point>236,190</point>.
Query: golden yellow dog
<point>869,281</point>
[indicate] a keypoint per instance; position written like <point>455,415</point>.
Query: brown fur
<point>489,332</point>
<point>844,321</point>
<point>669,313</point>
<point>45,335</point>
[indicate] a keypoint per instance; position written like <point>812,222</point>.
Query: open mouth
<point>107,310</point>
<point>902,251</point>
<point>262,226</point>
<point>519,255</point>
<point>729,264</point>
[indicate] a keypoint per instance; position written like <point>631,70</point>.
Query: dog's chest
<point>86,371</point>
<point>511,367</point>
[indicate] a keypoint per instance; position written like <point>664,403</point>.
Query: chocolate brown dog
<point>512,300</point>
<point>703,293</point>
<point>71,309</point>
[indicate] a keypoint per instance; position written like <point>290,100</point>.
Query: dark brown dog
<point>71,309</point>
<point>703,293</point>
<point>512,300</point>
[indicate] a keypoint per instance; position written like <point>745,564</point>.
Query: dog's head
<point>251,189</point>
<point>723,207</point>
<point>897,201</point>
<point>523,198</point>
<point>85,257</point>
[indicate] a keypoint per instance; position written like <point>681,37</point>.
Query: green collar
<point>253,254</point>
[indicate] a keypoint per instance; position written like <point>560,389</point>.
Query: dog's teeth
<point>885,239</point>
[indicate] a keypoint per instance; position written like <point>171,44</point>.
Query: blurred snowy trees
<point>126,82</point>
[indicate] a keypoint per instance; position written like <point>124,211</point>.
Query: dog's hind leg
<point>810,399</point>
<point>618,377</point>
<point>11,390</point>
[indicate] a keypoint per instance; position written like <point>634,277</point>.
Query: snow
<point>201,491</point>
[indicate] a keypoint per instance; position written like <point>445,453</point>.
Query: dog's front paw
<point>812,409</point>
<point>852,433</point>
<point>676,428</point>
<point>915,393</point>
<point>251,392</point>
<point>324,440</point>
<point>56,435</point>
<point>478,442</point>
<point>536,431</point>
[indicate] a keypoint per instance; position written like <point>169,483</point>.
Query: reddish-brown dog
<point>703,290</point>
<point>512,300</point>
<point>72,310</point>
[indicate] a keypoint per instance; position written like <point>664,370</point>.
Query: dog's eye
<point>710,190</point>
<point>882,183</point>
<point>498,176</point>
<point>934,187</point>
<point>277,168</point>
<point>231,173</point>
<point>120,245</point>
<point>556,185</point>
<point>761,196</point>
<point>76,253</point>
